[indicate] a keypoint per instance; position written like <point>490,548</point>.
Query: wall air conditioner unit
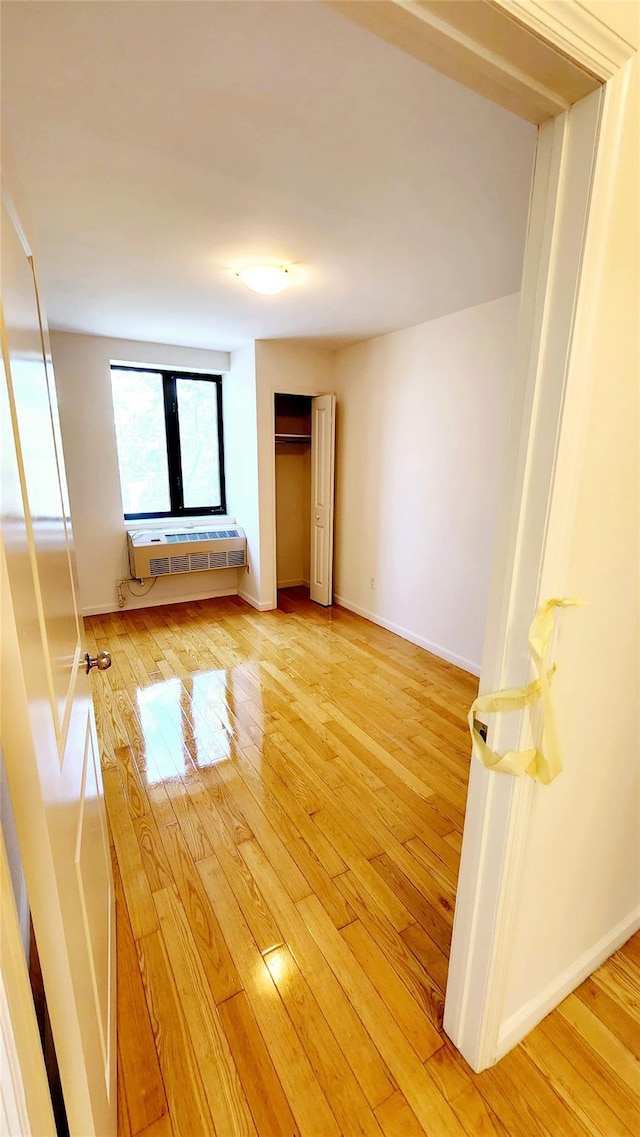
<point>160,552</point>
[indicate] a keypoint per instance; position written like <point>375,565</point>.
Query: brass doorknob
<point>102,661</point>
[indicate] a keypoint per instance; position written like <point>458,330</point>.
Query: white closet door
<point>323,447</point>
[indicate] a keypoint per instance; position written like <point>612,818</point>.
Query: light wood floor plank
<point>134,790</point>
<point>612,1013</point>
<point>122,1120</point>
<point>367,745</point>
<point>154,858</point>
<point>142,913</point>
<point>160,1128</point>
<point>550,1049</point>
<point>188,1106</point>
<point>397,1119</point>
<point>212,947</point>
<point>378,890</point>
<point>413,1022</point>
<point>362,797</point>
<point>425,1100</point>
<point>356,1044</point>
<point>222,1088</point>
<point>432,957</point>
<point>138,1059</point>
<point>603,1080</point>
<point>266,1097</point>
<point>255,910</point>
<point>621,1064</point>
<point>270,840</point>
<point>437,857</point>
<point>302,822</point>
<point>424,988</point>
<point>348,1103</point>
<point>436,923</point>
<point>322,885</point>
<point>306,1100</point>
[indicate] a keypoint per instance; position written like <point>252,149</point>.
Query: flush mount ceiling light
<point>266,279</point>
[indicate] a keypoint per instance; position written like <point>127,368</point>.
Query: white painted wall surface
<point>293,504</point>
<point>580,892</point>
<point>239,412</point>
<point>421,428</point>
<point>290,369</point>
<point>83,381</point>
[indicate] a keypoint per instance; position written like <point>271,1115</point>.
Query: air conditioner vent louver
<point>158,566</point>
<point>218,560</point>
<point>208,549</point>
<point>210,535</point>
<point>198,561</point>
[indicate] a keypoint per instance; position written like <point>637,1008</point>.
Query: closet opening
<point>293,490</point>
<point>304,471</point>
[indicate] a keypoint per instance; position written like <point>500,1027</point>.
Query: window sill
<point>208,519</point>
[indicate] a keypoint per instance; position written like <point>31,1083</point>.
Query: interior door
<point>48,730</point>
<point>323,449</point>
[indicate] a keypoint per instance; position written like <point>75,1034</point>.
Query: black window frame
<point>172,439</point>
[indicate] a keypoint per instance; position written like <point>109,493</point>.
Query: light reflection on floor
<point>187,724</point>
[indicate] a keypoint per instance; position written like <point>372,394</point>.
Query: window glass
<point>138,403</point>
<point>198,420</point>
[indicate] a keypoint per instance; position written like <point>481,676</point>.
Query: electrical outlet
<point>372,582</point>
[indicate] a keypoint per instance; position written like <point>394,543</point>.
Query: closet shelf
<point>293,438</point>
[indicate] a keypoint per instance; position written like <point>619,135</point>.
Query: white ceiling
<point>163,143</point>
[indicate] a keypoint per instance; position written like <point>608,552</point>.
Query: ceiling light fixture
<point>266,279</point>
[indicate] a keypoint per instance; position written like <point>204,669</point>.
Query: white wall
<point>421,428</point>
<point>239,411</point>
<point>83,382</point>
<point>579,896</point>
<point>291,369</point>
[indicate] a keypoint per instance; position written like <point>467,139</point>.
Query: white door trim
<point>534,57</point>
<point>575,31</point>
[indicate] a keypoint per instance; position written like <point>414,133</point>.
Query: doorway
<point>304,477</point>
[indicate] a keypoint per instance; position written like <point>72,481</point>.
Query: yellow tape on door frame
<point>542,767</point>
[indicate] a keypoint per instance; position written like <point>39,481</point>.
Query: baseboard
<point>420,641</point>
<point>292,583</point>
<point>518,1025</point>
<point>110,606</point>
<point>259,605</point>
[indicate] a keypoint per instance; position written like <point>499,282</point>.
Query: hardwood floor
<point>286,793</point>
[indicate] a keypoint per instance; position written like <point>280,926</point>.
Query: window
<point>169,435</point>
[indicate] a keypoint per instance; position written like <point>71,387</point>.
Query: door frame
<point>491,46</point>
<point>554,383</point>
